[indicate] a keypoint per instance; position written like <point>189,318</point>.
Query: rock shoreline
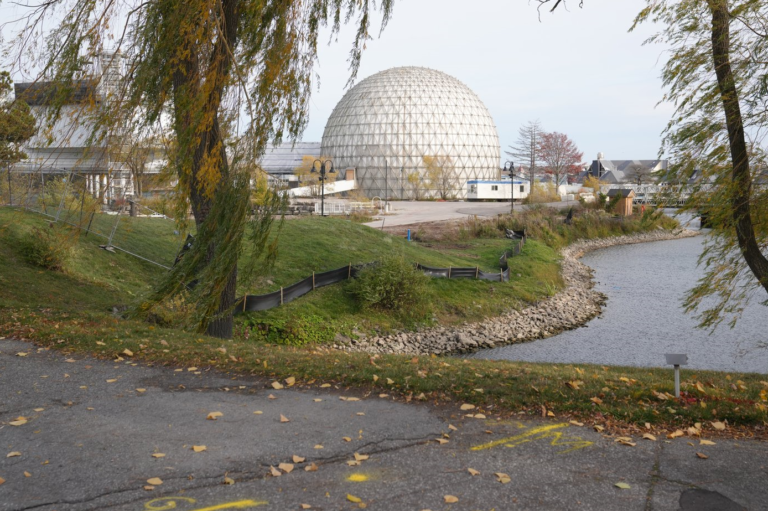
<point>571,308</point>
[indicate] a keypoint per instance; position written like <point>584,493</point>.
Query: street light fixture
<point>323,172</point>
<point>511,184</point>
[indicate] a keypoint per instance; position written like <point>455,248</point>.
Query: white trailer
<point>480,189</point>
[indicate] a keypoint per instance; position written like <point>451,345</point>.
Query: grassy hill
<point>98,280</point>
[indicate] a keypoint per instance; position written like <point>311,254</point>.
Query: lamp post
<point>511,185</point>
<point>324,170</point>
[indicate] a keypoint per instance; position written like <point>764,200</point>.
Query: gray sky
<point>578,71</point>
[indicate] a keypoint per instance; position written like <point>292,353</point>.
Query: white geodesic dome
<point>386,124</point>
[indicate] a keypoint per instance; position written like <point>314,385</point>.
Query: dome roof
<point>386,124</point>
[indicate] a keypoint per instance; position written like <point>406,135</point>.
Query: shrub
<point>47,247</point>
<point>393,285</point>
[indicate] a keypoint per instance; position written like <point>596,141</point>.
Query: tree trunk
<point>187,81</point>
<point>741,191</point>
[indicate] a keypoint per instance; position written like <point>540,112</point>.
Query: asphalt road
<point>414,212</point>
<point>86,432</point>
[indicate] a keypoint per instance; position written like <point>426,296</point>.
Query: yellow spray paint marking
<point>167,503</point>
<point>357,478</point>
<point>241,504</point>
<point>549,431</point>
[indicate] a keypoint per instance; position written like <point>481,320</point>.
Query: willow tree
<point>716,79</point>
<point>227,76</point>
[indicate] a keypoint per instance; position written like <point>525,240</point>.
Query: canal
<point>644,319</point>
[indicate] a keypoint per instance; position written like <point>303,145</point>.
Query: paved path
<point>91,433</point>
<point>413,212</point>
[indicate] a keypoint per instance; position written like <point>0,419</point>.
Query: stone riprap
<point>571,308</point>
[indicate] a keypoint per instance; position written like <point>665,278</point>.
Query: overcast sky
<point>579,71</point>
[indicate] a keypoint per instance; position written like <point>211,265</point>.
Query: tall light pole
<point>511,184</point>
<point>323,172</point>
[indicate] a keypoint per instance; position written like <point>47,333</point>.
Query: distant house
<point>281,161</point>
<point>626,200</point>
<point>626,171</point>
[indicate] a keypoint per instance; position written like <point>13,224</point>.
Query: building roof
<point>42,93</point>
<point>623,192</point>
<point>286,157</point>
<point>617,171</point>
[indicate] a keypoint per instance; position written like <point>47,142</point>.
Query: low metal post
<point>677,360</point>
<point>677,380</point>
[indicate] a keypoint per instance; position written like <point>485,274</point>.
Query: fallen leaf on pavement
<point>325,385</point>
<point>502,478</point>
<point>467,406</point>
<point>311,468</point>
<point>599,429</point>
<point>473,472</point>
<point>13,454</point>
<point>27,474</point>
<point>298,459</point>
<point>306,506</point>
<point>290,381</point>
<point>283,418</point>
<point>361,457</point>
<point>258,412</point>
<point>318,446</point>
<point>706,442</point>
<point>286,467</point>
<point>271,396</point>
<point>576,423</point>
<point>649,436</point>
<point>214,415</point>
<point>141,390</point>
<point>720,426</point>
<point>2,480</point>
<point>354,499</point>
<point>112,380</point>
<point>199,448</point>
<point>317,400</point>
<point>275,472</point>
<point>382,396</point>
<point>158,455</point>
<point>39,409</point>
<point>149,487</point>
<point>676,434</point>
<point>452,427</point>
<point>155,481</point>
<point>450,499</point>
<point>623,486</point>
<point>21,354</point>
<point>441,441</point>
<point>702,455</point>
<point>190,369</point>
<point>479,416</point>
<point>276,385</point>
<point>346,439</point>
<point>127,352</point>
<point>228,480</point>
<point>353,463</point>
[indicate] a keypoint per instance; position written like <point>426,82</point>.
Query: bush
<point>393,285</point>
<point>49,247</point>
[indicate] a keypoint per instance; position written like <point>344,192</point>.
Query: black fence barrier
<point>253,303</point>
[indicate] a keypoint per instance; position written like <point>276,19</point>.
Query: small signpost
<point>677,360</point>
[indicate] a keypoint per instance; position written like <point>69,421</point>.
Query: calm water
<point>643,318</point>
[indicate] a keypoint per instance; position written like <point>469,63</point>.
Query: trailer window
<point>522,188</point>
<point>472,188</point>
<point>494,188</point>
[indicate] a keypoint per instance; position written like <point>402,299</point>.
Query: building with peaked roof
<point>624,171</point>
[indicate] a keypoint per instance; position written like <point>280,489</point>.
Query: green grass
<point>94,279</point>
<point>608,396</point>
<point>72,311</point>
